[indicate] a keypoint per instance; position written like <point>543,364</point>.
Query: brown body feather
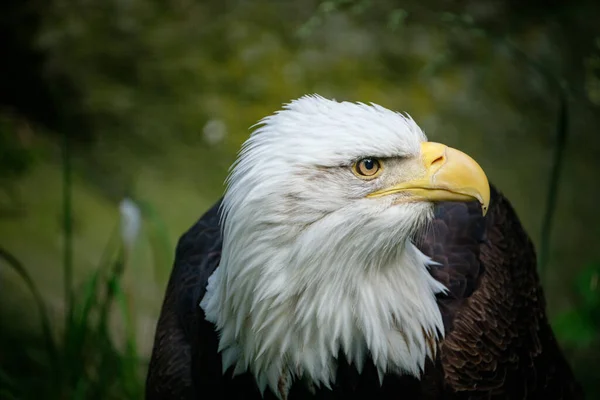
<point>498,342</point>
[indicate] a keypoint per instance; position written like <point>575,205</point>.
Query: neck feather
<point>285,315</point>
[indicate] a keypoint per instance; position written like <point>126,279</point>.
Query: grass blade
<point>45,321</point>
<point>552,195</point>
<point>160,244</point>
<point>67,229</point>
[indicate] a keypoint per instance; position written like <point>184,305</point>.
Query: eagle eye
<point>367,168</point>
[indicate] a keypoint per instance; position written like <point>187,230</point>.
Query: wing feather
<point>498,342</point>
<point>197,255</point>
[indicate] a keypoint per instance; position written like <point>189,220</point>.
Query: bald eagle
<point>351,258</point>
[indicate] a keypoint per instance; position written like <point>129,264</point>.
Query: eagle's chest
<point>316,334</point>
<point>349,384</point>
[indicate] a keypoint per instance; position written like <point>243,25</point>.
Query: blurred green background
<point>113,108</point>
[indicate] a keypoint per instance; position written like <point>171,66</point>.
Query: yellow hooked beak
<point>449,175</point>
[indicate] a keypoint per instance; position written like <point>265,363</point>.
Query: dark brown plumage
<point>498,342</point>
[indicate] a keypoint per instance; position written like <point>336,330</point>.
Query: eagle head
<point>317,259</point>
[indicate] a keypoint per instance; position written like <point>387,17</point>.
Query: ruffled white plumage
<point>310,267</point>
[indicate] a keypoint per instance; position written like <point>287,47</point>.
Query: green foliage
<point>92,362</point>
<point>45,320</point>
<point>579,327</point>
<point>98,357</point>
<point>588,288</point>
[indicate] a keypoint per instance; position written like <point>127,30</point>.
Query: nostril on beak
<point>438,160</point>
<point>435,155</point>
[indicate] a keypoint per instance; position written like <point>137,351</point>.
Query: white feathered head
<point>317,218</point>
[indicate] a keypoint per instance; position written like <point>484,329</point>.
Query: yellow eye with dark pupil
<point>367,167</point>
